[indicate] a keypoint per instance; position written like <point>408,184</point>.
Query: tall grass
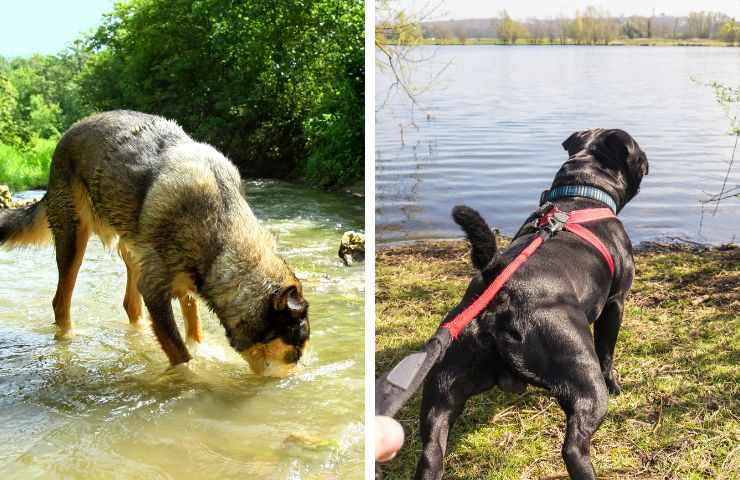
<point>28,168</point>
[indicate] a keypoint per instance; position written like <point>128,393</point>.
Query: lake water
<point>104,405</point>
<point>488,129</point>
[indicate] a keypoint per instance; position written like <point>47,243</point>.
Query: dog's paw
<point>612,384</point>
<point>192,345</point>
<point>63,334</point>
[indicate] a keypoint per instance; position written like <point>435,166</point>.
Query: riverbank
<point>678,356</point>
<point>28,169</point>
<point>636,42</point>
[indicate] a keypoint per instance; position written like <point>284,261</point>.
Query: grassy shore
<point>642,42</point>
<point>678,357</point>
<point>26,169</point>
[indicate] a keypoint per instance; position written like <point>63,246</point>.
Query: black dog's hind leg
<point>447,388</point>
<point>585,407</point>
<point>606,330</point>
<point>564,361</point>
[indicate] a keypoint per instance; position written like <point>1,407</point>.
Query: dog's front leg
<point>156,288</point>
<point>606,330</point>
<point>165,328</point>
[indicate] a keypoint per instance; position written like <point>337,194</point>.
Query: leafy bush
<point>29,168</point>
<point>276,84</point>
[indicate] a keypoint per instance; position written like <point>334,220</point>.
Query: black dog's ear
<point>620,148</point>
<point>613,148</point>
<point>481,238</point>
<point>576,141</point>
<point>568,143</point>
<point>643,162</point>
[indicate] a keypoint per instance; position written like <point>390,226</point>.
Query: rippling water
<point>488,132</point>
<point>104,405</point>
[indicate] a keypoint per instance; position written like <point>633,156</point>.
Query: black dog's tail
<point>24,226</point>
<point>481,238</point>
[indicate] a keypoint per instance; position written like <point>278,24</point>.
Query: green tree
<point>44,117</point>
<point>270,83</point>
<point>509,30</point>
<point>9,131</point>
<point>730,32</point>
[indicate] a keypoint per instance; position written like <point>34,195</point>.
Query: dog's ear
<point>620,149</point>
<point>576,141</point>
<point>291,300</point>
<point>481,238</point>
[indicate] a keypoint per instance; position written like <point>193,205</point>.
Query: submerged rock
<point>6,198</point>
<point>352,247</point>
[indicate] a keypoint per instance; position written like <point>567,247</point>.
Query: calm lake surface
<point>487,133</point>
<point>104,405</point>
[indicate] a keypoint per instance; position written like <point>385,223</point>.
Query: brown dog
<point>176,208</point>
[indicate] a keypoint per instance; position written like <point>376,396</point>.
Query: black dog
<point>536,330</point>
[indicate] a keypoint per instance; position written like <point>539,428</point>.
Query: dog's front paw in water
<point>182,372</point>
<point>612,384</point>
<point>63,334</point>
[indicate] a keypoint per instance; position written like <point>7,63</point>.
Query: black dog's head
<point>608,159</point>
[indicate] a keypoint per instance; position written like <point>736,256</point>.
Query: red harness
<point>549,223</point>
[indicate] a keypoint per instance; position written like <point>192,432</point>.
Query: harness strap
<point>575,218</point>
<point>545,223</point>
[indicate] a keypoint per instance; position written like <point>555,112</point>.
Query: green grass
<point>23,170</point>
<point>678,357</point>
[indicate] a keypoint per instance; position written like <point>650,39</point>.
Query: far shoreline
<point>637,42</point>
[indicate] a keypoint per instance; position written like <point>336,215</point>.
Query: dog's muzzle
<point>274,359</point>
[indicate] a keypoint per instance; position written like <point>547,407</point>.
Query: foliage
<point>589,26</point>
<point>10,132</point>
<point>277,85</point>
<point>27,168</point>
<point>730,31</point>
<point>44,93</point>
<point>510,30</point>
<point>677,355</point>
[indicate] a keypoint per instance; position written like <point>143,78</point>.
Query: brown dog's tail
<point>481,238</point>
<point>25,226</point>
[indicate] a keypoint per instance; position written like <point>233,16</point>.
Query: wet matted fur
<point>177,210</point>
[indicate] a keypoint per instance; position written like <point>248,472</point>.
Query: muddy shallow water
<point>104,404</point>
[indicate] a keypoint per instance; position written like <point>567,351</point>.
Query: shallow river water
<point>104,404</point>
<point>490,120</point>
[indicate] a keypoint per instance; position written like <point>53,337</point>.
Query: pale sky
<point>520,9</point>
<point>46,26</point>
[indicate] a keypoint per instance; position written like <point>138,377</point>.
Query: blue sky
<point>46,26</point>
<point>521,9</point>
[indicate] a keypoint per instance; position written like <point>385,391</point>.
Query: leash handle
<point>394,388</point>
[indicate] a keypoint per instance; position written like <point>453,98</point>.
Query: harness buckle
<point>555,221</point>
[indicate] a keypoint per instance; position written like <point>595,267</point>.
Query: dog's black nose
<point>293,355</point>
<point>303,330</point>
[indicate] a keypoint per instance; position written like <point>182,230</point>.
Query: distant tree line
<point>277,85</point>
<point>589,26</point>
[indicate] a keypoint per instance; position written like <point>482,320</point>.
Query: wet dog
<point>537,329</point>
<point>177,211</point>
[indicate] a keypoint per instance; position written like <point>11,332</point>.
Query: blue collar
<point>567,191</point>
